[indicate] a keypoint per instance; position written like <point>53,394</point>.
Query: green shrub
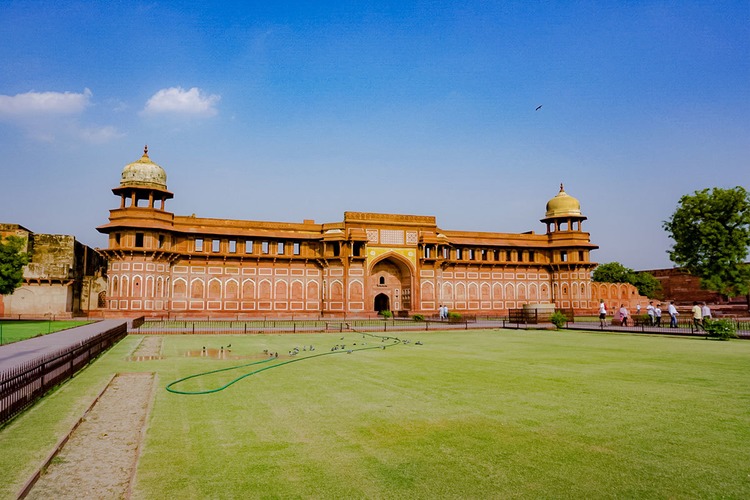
<point>558,319</point>
<point>386,314</point>
<point>722,329</point>
<point>454,317</point>
<point>418,317</point>
<point>642,319</point>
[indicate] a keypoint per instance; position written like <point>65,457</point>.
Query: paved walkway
<point>17,353</point>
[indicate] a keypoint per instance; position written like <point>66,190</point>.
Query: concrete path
<point>17,353</point>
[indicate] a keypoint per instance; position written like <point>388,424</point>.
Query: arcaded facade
<point>165,264</point>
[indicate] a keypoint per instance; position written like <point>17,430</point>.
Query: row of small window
<point>140,240</point>
<point>480,254</point>
<point>495,255</point>
<point>203,245</point>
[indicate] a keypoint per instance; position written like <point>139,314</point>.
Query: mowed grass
<point>13,331</point>
<point>471,414</point>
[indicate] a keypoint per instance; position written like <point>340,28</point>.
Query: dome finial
<point>563,205</point>
<point>144,173</point>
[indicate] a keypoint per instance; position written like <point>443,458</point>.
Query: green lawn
<point>13,331</point>
<point>470,414</point>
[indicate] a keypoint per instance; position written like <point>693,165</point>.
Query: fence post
<point>193,328</point>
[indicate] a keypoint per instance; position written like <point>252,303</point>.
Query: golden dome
<point>563,205</point>
<point>144,173</point>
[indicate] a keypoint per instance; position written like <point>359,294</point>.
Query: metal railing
<point>685,326</point>
<point>534,316</point>
<point>214,327</point>
<point>22,385</point>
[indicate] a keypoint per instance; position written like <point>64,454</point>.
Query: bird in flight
<point>538,108</point>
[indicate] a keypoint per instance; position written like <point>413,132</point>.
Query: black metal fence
<point>213,327</point>
<point>534,316</point>
<point>22,385</point>
<point>682,327</point>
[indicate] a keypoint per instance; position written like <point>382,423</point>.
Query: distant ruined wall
<point>52,258</point>
<point>684,288</point>
<point>63,277</point>
<point>39,300</point>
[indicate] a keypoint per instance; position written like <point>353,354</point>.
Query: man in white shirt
<point>651,313</point>
<point>657,311</point>
<point>672,310</point>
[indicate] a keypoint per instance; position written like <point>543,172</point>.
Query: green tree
<point>646,284</point>
<point>614,272</point>
<point>12,260</point>
<point>711,233</point>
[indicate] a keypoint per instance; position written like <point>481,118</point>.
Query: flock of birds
<point>310,348</point>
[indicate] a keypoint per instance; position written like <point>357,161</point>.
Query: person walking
<point>697,316</point>
<point>624,313</point>
<point>672,310</point>
<point>657,314</point>
<point>602,313</point>
<point>651,313</point>
<point>706,311</point>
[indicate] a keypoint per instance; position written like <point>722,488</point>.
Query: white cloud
<point>55,116</point>
<point>180,101</point>
<point>43,103</point>
<point>100,135</point>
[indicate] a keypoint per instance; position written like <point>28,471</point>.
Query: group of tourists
<point>701,313</point>
<point>443,312</point>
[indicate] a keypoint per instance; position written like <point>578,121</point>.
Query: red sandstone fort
<point>160,264</point>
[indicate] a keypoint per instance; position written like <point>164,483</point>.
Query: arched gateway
<point>390,285</point>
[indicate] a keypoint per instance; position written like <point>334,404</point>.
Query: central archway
<point>390,284</point>
<point>382,303</point>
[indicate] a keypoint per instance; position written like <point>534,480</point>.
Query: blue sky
<point>287,111</point>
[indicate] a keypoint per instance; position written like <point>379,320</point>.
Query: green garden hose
<point>276,365</point>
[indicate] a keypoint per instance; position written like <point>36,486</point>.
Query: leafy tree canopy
<point>12,260</point>
<point>614,272</point>
<point>711,233</point>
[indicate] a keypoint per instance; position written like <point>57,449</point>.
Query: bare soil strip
<point>148,348</point>
<point>99,459</point>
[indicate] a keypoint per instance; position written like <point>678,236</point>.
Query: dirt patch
<point>149,348</point>
<point>99,459</point>
<point>223,353</point>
